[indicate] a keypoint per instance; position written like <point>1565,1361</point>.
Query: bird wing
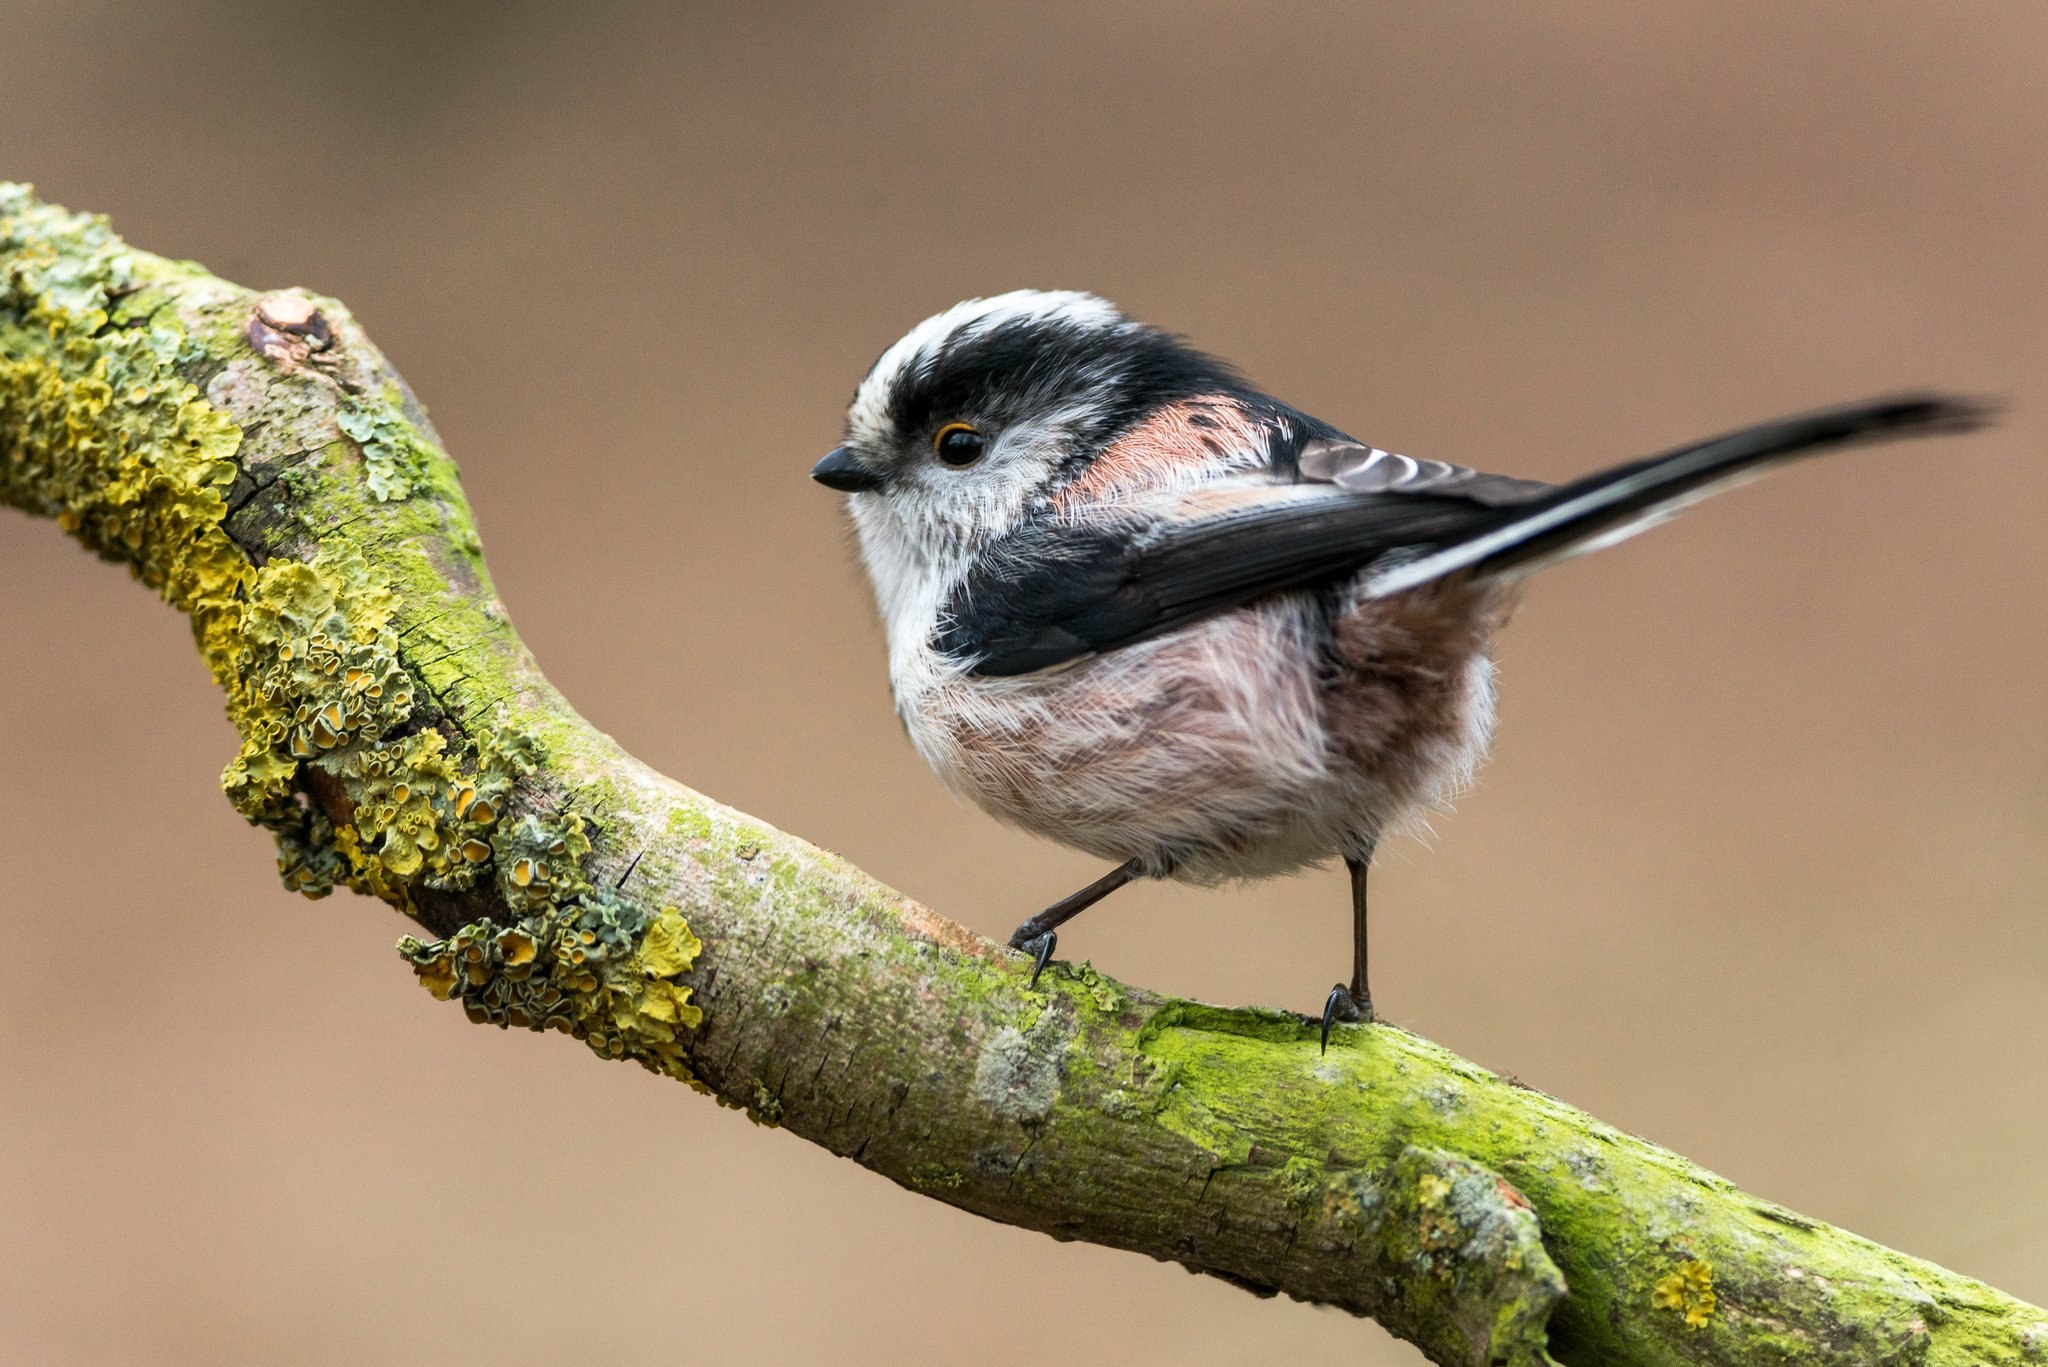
<point>1059,589</point>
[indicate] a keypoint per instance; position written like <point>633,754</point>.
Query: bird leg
<point>1353,1004</point>
<point>1038,935</point>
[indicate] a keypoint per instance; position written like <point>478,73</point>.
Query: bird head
<point>983,410</point>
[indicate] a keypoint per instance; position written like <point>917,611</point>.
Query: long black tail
<point>1615,504</point>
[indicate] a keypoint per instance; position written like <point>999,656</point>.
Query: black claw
<point>1041,948</point>
<point>1340,1005</point>
<point>1338,998</point>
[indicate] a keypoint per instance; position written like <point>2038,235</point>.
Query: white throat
<point>912,572</point>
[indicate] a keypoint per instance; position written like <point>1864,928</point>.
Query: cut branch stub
<point>255,460</point>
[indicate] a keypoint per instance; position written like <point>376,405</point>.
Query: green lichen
<point>580,958</point>
<point>1105,992</point>
<point>105,434</point>
<point>1302,1179</point>
<point>765,1109</point>
<point>541,862</point>
<point>396,460</point>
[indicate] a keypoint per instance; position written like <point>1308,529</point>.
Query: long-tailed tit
<point>1138,606</point>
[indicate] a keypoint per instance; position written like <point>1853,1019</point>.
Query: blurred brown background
<point>1759,869</point>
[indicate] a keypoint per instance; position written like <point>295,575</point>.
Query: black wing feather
<point>1056,592</point>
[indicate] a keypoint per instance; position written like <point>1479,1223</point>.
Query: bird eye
<point>958,444</point>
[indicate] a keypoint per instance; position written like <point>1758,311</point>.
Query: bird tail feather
<point>1608,507</point>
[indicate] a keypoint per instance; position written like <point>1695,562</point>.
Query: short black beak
<point>841,469</point>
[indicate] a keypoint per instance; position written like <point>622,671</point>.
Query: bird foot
<point>1342,1006</point>
<point>1039,947</point>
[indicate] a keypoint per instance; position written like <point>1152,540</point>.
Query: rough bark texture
<point>255,459</point>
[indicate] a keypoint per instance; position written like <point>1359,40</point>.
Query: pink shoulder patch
<point>1173,449</point>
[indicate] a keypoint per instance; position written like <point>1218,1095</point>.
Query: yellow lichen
<point>103,430</point>
<point>439,977</point>
<point>1687,1289</point>
<point>598,967</point>
<point>99,429</point>
<point>669,946</point>
<point>581,959</point>
<point>314,678</point>
<point>1104,992</point>
<point>766,1108</point>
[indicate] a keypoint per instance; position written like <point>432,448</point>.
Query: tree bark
<point>254,459</point>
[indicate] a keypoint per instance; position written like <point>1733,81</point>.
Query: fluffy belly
<point>1254,743</point>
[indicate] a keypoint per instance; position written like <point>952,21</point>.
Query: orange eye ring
<point>958,444</point>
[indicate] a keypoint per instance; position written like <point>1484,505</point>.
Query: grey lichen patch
<point>1351,1204</point>
<point>1444,1097</point>
<point>1017,1076</point>
<point>1467,1248</point>
<point>1586,1167</point>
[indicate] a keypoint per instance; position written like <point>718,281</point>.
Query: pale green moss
<point>395,456</point>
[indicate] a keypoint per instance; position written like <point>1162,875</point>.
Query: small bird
<point>1138,606</point>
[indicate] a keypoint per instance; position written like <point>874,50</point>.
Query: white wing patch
<point>1368,469</point>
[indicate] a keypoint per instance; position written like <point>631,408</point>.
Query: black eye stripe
<point>1019,370</point>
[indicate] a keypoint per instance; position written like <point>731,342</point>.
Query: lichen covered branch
<point>256,461</point>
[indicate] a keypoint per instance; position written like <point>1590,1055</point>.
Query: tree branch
<point>255,460</point>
